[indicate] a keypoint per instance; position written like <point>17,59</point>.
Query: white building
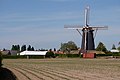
<point>40,53</point>
<point>114,50</point>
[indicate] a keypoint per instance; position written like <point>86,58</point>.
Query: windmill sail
<point>87,16</point>
<point>87,32</point>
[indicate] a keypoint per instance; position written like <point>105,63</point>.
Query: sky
<point>40,23</point>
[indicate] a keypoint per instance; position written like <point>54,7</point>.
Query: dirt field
<point>64,69</point>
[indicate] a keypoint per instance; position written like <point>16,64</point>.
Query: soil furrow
<point>30,75</point>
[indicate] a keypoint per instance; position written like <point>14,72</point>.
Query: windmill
<point>88,33</point>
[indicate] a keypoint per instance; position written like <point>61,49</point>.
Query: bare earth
<point>64,69</point>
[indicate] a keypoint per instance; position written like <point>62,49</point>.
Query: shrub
<point>116,54</point>
<point>72,55</point>
<point>68,55</point>
<point>1,59</point>
<point>50,55</point>
<point>61,55</point>
<point>101,55</point>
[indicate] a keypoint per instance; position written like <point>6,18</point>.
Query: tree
<point>18,47</point>
<point>113,47</point>
<point>4,49</point>
<point>50,50</point>
<point>23,48</point>
<point>70,45</point>
<point>15,47</point>
<point>118,48</point>
<point>101,47</point>
<point>50,54</point>
<point>30,48</point>
<point>54,49</point>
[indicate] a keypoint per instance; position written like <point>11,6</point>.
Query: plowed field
<point>64,69</point>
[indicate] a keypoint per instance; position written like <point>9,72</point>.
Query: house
<point>9,52</point>
<point>5,52</point>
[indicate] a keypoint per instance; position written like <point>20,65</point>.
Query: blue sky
<point>40,23</point>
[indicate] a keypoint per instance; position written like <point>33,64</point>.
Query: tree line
<point>70,45</point>
<point>23,48</point>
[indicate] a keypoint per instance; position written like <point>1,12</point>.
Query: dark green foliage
<point>12,57</point>
<point>1,59</point>
<point>23,48</point>
<point>113,47</point>
<point>116,54</point>
<point>109,54</point>
<point>30,48</point>
<point>23,57</point>
<point>54,49</point>
<point>61,55</point>
<point>15,47</point>
<point>42,49</point>
<point>50,55</point>
<point>68,55</point>
<point>118,48</point>
<point>50,50</point>
<point>4,49</point>
<point>101,47</point>
<point>100,55</point>
<point>70,45</point>
<point>72,55</point>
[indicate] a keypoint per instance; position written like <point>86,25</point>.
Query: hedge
<point>67,55</point>
<point>22,57</point>
<point>109,54</point>
<point>50,55</point>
